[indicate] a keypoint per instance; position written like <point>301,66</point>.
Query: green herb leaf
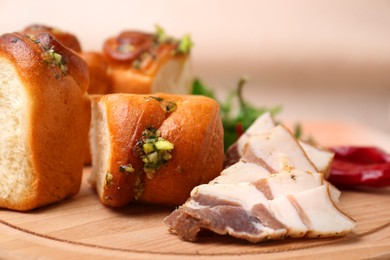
<point>163,145</point>
<point>54,59</point>
<point>231,116</point>
<point>161,35</point>
<point>167,106</point>
<point>139,186</point>
<point>126,168</point>
<point>109,178</point>
<point>185,44</point>
<point>298,130</point>
<point>156,151</point>
<point>198,88</point>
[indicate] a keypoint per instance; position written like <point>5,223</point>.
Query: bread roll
<point>45,118</point>
<point>98,84</point>
<point>97,64</point>
<point>140,63</point>
<point>97,67</point>
<point>191,124</point>
<point>67,39</point>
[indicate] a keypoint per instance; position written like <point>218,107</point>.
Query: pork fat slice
<point>247,194</point>
<point>274,188</point>
<point>309,213</point>
<point>320,158</point>
<point>241,172</point>
<point>276,149</point>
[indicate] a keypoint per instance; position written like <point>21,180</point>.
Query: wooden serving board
<point>82,228</point>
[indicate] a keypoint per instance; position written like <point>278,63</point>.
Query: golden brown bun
<point>67,39</point>
<point>139,65</point>
<point>97,65</point>
<point>98,83</point>
<point>194,128</point>
<point>54,120</point>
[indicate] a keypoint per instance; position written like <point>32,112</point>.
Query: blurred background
<point>320,60</point>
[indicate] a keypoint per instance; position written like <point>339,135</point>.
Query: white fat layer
<point>195,205</point>
<point>247,194</point>
<point>262,124</point>
<point>265,233</point>
<point>243,193</point>
<point>285,212</point>
<point>334,192</point>
<point>289,182</point>
<point>320,158</point>
<point>280,143</point>
<point>298,189</point>
<point>241,172</point>
<point>307,189</point>
<point>326,219</point>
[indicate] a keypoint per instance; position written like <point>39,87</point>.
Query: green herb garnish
<point>156,151</point>
<point>298,133</point>
<point>185,44</point>
<point>231,118</point>
<point>33,38</point>
<point>298,130</point>
<point>126,168</point>
<point>109,178</point>
<point>167,106</point>
<point>198,88</point>
<point>139,187</point>
<point>136,64</point>
<point>125,48</point>
<point>54,59</point>
<point>161,35</point>
<point>159,99</point>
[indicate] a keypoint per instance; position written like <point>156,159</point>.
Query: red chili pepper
<point>360,166</point>
<point>239,129</point>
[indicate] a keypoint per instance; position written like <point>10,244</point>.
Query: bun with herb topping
<point>145,63</point>
<point>98,84</point>
<point>97,64</point>
<point>65,38</point>
<point>97,67</point>
<point>45,115</point>
<point>154,148</point>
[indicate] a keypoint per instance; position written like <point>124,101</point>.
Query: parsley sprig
<point>184,44</point>
<point>234,121</point>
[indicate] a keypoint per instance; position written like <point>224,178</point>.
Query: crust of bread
<point>129,80</point>
<point>67,39</point>
<point>97,66</point>
<point>194,128</point>
<point>58,117</point>
<point>99,83</point>
<point>165,72</point>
